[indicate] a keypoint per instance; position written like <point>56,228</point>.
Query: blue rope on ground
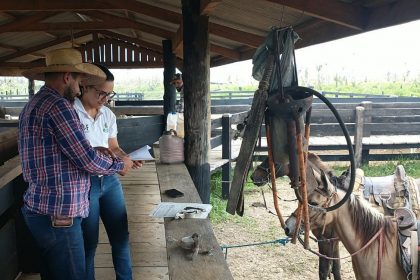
<point>282,241</point>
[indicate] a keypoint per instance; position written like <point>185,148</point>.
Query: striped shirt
<point>57,159</point>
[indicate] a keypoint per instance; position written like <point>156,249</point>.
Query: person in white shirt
<point>106,197</point>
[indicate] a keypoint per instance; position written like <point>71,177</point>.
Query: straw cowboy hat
<point>65,60</point>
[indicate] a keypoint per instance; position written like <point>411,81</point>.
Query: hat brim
<point>89,70</point>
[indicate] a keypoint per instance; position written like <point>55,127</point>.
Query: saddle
<point>389,193</point>
<point>396,195</point>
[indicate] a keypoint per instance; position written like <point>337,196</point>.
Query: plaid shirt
<point>56,157</point>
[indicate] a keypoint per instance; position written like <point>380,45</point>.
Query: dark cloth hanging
<point>286,39</point>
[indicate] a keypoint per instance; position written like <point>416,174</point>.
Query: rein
<point>378,234</point>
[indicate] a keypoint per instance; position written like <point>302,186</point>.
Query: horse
<point>369,236</point>
<point>260,177</point>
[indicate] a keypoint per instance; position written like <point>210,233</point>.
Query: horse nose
<point>257,181</point>
<point>287,231</point>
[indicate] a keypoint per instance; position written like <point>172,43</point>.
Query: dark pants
<point>62,249</point>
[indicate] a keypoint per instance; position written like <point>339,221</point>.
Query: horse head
<point>261,174</point>
<point>319,179</point>
<point>320,193</point>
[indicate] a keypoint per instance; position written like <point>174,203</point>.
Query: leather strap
<point>380,254</point>
<point>418,250</point>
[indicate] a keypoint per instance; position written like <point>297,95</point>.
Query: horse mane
<point>368,221</point>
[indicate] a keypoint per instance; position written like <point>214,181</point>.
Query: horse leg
<point>331,249</point>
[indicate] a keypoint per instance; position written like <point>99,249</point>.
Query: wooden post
<point>31,88</point>
<point>169,96</point>
<point>196,77</point>
<point>358,135</point>
<point>367,119</point>
<point>226,154</point>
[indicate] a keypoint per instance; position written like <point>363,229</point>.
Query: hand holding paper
<point>141,154</point>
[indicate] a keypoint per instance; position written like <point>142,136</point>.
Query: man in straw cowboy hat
<point>57,161</point>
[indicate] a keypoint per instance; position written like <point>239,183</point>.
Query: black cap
<point>177,76</point>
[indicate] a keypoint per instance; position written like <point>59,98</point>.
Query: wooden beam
<point>350,15</point>
<point>229,53</point>
<point>22,65</point>
<point>7,15</point>
<point>95,5</point>
<point>139,42</point>
<point>8,47</point>
<point>394,13</point>
<point>13,72</point>
<point>43,46</point>
<point>130,16</point>
<point>146,9</point>
<point>196,77</point>
<point>177,42</point>
<point>57,5</point>
<point>23,22</point>
<point>127,23</point>
<point>236,35</point>
<point>50,35</point>
<point>208,6</point>
<point>16,68</point>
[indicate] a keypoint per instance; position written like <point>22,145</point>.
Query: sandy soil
<point>274,261</point>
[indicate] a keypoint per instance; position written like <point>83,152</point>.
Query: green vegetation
<point>218,213</point>
<point>153,87</point>
<point>386,88</point>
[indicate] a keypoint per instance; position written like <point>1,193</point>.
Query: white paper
<point>141,154</point>
<point>170,209</point>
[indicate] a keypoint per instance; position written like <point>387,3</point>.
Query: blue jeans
<point>62,249</point>
<point>106,200</point>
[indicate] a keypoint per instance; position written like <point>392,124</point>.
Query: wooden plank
<point>10,170</point>
<point>143,254</point>
<point>143,189</point>
<point>7,200</point>
<point>153,233</point>
<point>134,199</point>
<point>139,273</point>
<point>394,128</point>
<point>139,208</point>
<point>8,252</point>
<point>140,218</point>
<point>180,267</point>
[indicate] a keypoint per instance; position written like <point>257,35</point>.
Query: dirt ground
<point>273,261</point>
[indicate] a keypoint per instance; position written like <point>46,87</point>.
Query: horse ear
<point>325,182</point>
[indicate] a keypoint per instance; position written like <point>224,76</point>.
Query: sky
<point>373,56</point>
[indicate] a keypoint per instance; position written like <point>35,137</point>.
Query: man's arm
<point>116,149</point>
<point>65,125</point>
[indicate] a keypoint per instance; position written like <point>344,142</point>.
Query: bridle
<point>267,171</point>
<point>378,235</point>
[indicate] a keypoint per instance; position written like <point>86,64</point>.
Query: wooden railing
<point>373,126</point>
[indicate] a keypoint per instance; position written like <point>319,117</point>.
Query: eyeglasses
<point>102,94</point>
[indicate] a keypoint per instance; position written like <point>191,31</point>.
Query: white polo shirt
<point>100,129</point>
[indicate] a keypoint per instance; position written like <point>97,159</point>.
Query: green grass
<point>218,213</point>
<point>412,168</point>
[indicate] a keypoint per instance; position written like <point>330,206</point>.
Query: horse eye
<point>312,203</point>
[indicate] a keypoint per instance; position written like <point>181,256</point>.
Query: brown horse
<point>260,177</point>
<point>369,236</point>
